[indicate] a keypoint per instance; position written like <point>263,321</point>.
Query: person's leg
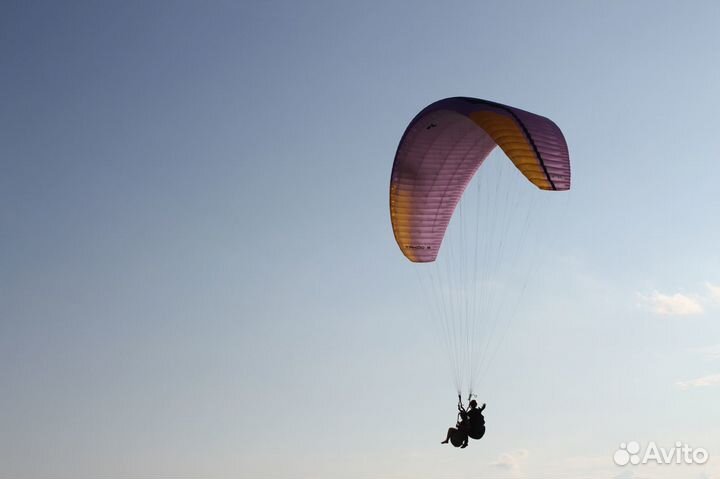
<point>449,435</point>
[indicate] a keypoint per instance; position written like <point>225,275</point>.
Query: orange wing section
<point>510,137</point>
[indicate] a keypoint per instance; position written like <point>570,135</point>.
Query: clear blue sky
<point>198,277</point>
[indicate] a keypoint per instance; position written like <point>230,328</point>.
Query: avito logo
<point>631,453</point>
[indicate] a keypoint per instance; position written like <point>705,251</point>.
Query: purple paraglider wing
<point>442,148</point>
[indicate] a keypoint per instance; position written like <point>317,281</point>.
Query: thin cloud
<point>713,292</point>
<point>709,353</point>
<point>705,381</point>
<point>511,460</point>
<point>677,304</point>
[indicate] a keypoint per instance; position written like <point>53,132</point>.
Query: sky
<point>198,276</point>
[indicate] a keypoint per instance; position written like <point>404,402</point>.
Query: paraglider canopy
<point>441,150</point>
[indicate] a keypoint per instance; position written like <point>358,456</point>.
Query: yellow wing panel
<point>505,131</point>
